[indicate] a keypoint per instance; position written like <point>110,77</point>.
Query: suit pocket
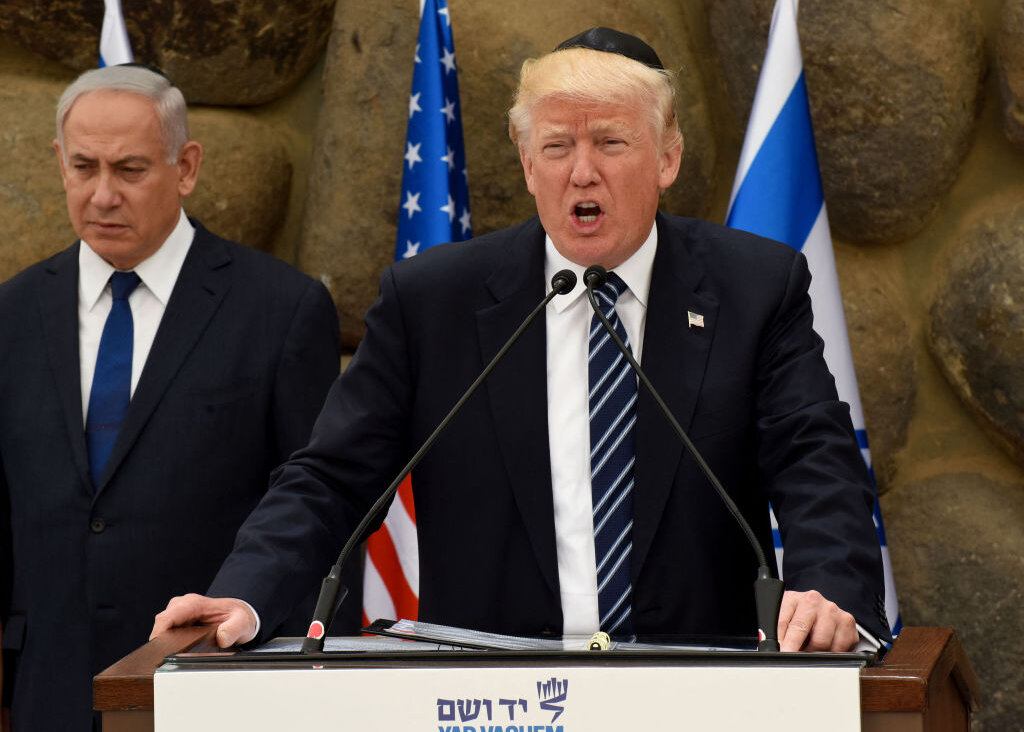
<point>215,404</point>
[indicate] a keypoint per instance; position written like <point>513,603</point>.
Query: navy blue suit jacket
<point>244,355</point>
<point>751,387</point>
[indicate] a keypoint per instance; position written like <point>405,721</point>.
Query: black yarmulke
<point>613,41</point>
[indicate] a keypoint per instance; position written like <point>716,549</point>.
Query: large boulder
<point>957,552</point>
<point>353,203</point>
<point>237,53</point>
<point>894,91</point>
<point>245,178</point>
<point>883,351</point>
<point>976,328</point>
<point>31,196</point>
<point>1010,53</point>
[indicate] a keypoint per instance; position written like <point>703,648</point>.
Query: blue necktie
<point>612,454</point>
<point>112,380</point>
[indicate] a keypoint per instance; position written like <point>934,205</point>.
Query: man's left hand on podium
<point>810,622</point>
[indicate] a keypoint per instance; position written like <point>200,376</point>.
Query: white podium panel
<point>518,698</point>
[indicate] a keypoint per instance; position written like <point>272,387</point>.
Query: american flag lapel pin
<point>694,320</point>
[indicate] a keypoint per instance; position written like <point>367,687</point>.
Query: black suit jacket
<point>244,355</point>
<point>751,387</point>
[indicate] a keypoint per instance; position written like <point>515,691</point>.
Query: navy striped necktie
<point>613,395</point>
<point>112,380</point>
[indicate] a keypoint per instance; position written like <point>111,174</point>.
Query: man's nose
<point>107,193</point>
<point>584,169</point>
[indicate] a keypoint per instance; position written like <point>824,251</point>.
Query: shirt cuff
<point>257,616</point>
<point>867,641</point>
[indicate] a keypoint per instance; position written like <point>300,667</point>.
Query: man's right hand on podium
<point>235,620</point>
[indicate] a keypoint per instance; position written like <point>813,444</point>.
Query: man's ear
<point>670,161</point>
<point>189,159</point>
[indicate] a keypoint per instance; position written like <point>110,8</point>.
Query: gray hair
<point>167,98</point>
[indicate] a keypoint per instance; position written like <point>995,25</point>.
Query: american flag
<point>115,48</point>
<point>777,193</point>
<point>434,209</point>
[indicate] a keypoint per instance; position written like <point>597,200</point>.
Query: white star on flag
<point>414,104</point>
<point>448,110</point>
<point>449,208</point>
<point>448,61</point>
<point>412,203</point>
<point>411,249</point>
<point>412,154</point>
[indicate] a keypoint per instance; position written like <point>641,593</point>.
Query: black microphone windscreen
<point>563,282</point>
<point>595,276</point>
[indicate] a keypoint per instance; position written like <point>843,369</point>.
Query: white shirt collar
<point>635,271</point>
<point>158,272</point>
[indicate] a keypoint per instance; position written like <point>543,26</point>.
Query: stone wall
<point>917,106</point>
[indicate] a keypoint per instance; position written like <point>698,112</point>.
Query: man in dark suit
<point>508,509</point>
<point>230,353</point>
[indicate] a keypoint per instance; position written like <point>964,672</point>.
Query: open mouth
<point>587,212</point>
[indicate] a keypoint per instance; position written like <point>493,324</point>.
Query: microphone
<point>332,593</point>
<point>767,589</point>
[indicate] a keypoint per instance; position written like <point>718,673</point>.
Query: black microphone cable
<point>767,589</point>
<point>332,592</point>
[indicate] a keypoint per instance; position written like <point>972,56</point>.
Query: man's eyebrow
<point>554,131</point>
<point>127,160</point>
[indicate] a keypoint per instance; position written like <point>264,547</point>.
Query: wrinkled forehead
<point>556,115</point>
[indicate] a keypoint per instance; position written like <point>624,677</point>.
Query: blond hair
<point>585,76</point>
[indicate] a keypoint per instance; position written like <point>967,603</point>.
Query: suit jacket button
<point>98,525</point>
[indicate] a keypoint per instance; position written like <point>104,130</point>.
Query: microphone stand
<point>767,589</point>
<point>332,593</point>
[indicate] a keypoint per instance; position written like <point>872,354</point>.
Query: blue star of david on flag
<point>435,192</point>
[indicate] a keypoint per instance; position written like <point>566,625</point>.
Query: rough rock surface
<point>242,190</point>
<point>1010,45</point>
<point>977,323</point>
<point>351,213</point>
<point>957,547</point>
<point>883,354</point>
<point>237,53</point>
<point>31,196</point>
<point>894,91</point>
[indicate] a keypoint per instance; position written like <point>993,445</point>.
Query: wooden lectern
<point>924,684</point>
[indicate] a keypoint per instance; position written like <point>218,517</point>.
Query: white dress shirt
<point>568,325</point>
<point>158,273</point>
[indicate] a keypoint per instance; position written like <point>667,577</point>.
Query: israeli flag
<point>115,48</point>
<point>778,194</point>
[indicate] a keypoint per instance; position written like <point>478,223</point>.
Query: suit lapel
<point>58,301</point>
<point>675,356</point>
<point>204,280</point>
<point>517,388</point>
